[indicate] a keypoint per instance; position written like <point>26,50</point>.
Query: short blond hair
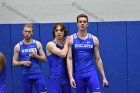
<point>29,25</point>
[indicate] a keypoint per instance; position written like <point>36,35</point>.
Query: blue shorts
<point>87,80</point>
<point>58,85</point>
<point>34,79</point>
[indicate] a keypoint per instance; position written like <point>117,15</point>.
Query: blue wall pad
<point>119,50</point>
<point>5,49</point>
<point>112,37</point>
<point>133,45</point>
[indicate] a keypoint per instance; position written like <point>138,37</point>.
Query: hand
<point>105,83</point>
<point>67,40</point>
<point>32,54</point>
<point>26,63</point>
<point>72,82</point>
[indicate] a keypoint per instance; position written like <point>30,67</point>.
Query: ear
<point>23,32</point>
<point>33,33</point>
<point>77,24</point>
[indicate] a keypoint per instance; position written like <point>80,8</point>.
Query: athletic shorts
<point>58,85</point>
<point>87,80</point>
<point>34,79</point>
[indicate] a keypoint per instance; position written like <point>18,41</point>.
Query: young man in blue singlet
<point>56,54</point>
<point>82,47</point>
<point>31,53</point>
<point>2,73</point>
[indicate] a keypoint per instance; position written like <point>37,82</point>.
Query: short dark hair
<point>62,28</point>
<point>82,15</point>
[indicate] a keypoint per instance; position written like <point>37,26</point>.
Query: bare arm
<point>51,47</point>
<point>15,58</point>
<point>41,56</point>
<point>16,55</point>
<point>69,64</point>
<point>99,60</point>
<point>0,66</point>
<point>2,61</point>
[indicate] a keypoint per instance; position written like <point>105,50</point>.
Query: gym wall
<point>119,48</point>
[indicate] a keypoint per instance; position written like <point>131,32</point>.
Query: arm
<point>69,64</point>
<point>2,61</point>
<point>15,58</point>
<point>0,66</point>
<point>51,47</point>
<point>99,61</point>
<point>41,56</point>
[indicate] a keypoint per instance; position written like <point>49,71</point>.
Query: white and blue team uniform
<point>84,65</point>
<point>32,75</point>
<point>58,77</point>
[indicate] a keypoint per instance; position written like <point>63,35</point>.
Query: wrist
<point>20,63</point>
<point>36,56</point>
<point>71,77</point>
<point>104,78</point>
<point>66,44</point>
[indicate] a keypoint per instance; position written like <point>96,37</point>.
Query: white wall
<point>50,11</point>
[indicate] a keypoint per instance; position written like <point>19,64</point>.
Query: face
<point>82,23</point>
<point>59,33</point>
<point>27,32</point>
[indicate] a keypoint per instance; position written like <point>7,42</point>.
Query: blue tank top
<point>24,52</point>
<point>82,53</point>
<point>2,78</point>
<point>57,65</point>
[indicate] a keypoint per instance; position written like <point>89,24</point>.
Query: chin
<point>27,38</point>
<point>59,38</point>
<point>82,29</point>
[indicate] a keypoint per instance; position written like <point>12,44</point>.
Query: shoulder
<point>72,37</point>
<point>95,38</point>
<point>38,43</point>
<point>50,44</point>
<point>17,46</point>
<point>2,55</point>
<point>96,41</point>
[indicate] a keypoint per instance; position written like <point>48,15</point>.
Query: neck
<point>59,41</point>
<point>27,41</point>
<point>82,34</point>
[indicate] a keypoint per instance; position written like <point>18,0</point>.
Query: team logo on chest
<point>83,45</point>
<point>29,50</point>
